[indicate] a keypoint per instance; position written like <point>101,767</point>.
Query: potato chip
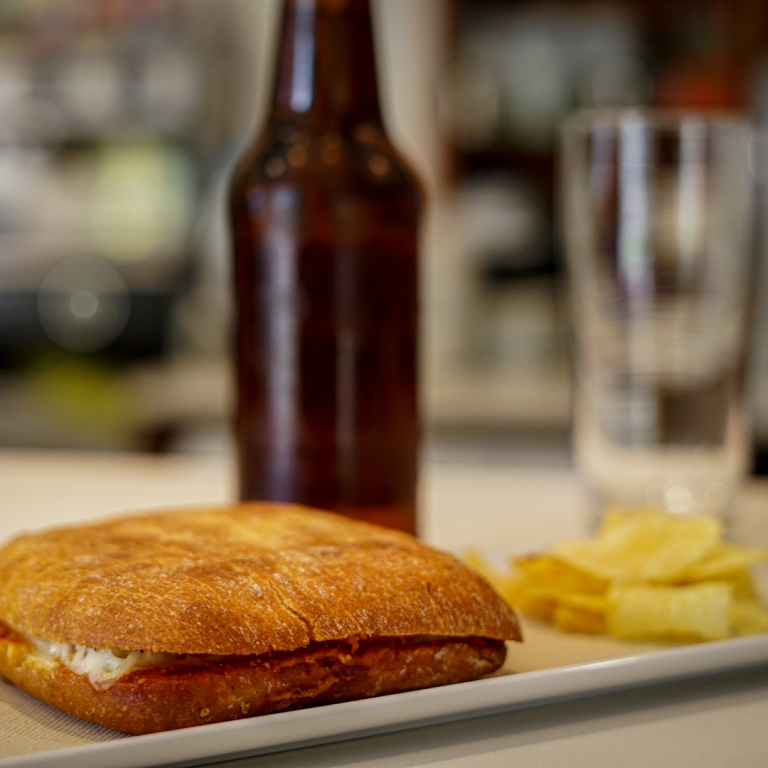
<point>643,546</point>
<point>613,516</point>
<point>519,593</point>
<point>650,612</point>
<point>748,617</point>
<point>742,583</point>
<point>553,574</point>
<point>580,613</point>
<point>723,560</point>
<point>585,602</point>
<point>646,575</point>
<point>551,590</point>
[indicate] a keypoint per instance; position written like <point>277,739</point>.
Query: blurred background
<point>120,120</point>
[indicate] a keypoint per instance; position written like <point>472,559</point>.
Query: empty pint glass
<point>657,217</point>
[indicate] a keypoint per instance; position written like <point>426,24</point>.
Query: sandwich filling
<point>102,667</point>
<point>105,667</point>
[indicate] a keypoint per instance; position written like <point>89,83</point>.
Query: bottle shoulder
<point>363,159</point>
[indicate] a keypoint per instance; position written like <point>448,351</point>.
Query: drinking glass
<point>658,233</point>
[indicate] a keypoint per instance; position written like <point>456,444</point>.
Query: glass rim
<point>584,121</point>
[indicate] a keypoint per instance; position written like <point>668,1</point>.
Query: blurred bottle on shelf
<point>325,216</point>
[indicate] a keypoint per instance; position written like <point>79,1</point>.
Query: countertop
<point>715,720</point>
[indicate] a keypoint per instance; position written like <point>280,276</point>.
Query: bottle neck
<point>326,72</point>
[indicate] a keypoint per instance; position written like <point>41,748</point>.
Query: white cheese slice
<point>102,667</point>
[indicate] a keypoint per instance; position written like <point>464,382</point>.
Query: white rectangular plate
<point>600,665</point>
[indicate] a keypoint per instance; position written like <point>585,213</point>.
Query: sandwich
<point>173,619</point>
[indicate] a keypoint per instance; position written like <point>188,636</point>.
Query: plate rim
<point>394,712</point>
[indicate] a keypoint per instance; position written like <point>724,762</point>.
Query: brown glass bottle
<point>325,216</point>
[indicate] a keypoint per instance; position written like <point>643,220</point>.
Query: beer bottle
<point>325,217</point>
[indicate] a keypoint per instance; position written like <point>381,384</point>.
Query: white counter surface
<point>716,721</point>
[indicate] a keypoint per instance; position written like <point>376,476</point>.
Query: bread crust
<point>159,699</point>
<point>241,580</point>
